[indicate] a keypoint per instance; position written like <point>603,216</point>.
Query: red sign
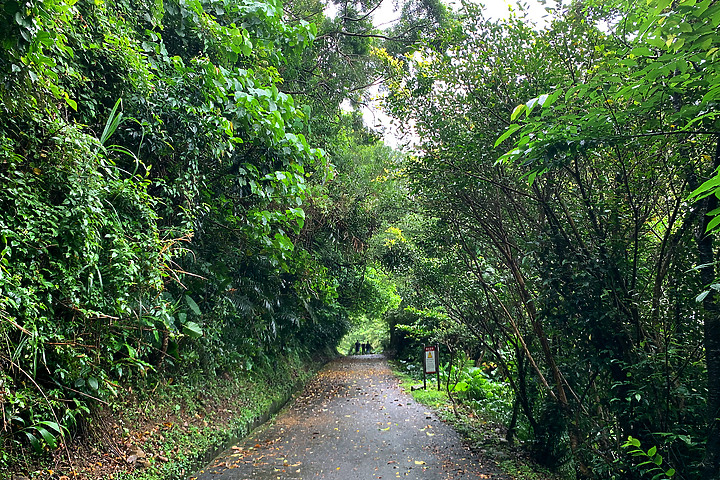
<point>430,359</point>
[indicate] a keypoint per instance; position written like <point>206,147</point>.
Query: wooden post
<point>437,362</point>
<point>424,365</point>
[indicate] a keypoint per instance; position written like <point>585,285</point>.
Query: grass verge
<point>483,436</point>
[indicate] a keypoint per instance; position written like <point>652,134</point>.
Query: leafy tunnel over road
<point>352,422</point>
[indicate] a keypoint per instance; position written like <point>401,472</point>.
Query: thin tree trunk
<point>164,348</point>
<point>512,428</point>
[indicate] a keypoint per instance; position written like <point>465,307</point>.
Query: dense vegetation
<point>558,170</point>
<point>183,195</point>
<point>162,213</point>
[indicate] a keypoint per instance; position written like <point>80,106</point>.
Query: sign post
<point>431,364</point>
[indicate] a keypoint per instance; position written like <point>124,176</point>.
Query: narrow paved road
<point>351,422</point>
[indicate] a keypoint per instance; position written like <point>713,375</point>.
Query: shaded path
<point>351,422</point>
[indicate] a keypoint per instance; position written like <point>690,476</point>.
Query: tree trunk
<point>163,348</point>
<point>512,428</point>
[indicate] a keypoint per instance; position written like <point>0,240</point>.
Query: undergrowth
<point>169,429</point>
<point>480,430</point>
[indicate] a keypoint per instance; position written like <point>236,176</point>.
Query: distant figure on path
<point>362,345</point>
<point>368,348</point>
<point>357,346</point>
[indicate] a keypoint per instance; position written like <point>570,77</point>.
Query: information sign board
<point>431,359</point>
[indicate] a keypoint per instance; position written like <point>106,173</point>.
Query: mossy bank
<point>172,427</point>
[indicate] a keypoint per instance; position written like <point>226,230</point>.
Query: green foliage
<point>651,461</point>
<point>81,252</point>
<point>365,330</point>
<point>474,384</point>
<point>375,296</point>
<point>570,261</point>
<point>483,391</point>
<point>663,44</point>
<point>155,180</point>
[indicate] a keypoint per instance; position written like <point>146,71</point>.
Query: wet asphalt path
<point>351,422</point>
